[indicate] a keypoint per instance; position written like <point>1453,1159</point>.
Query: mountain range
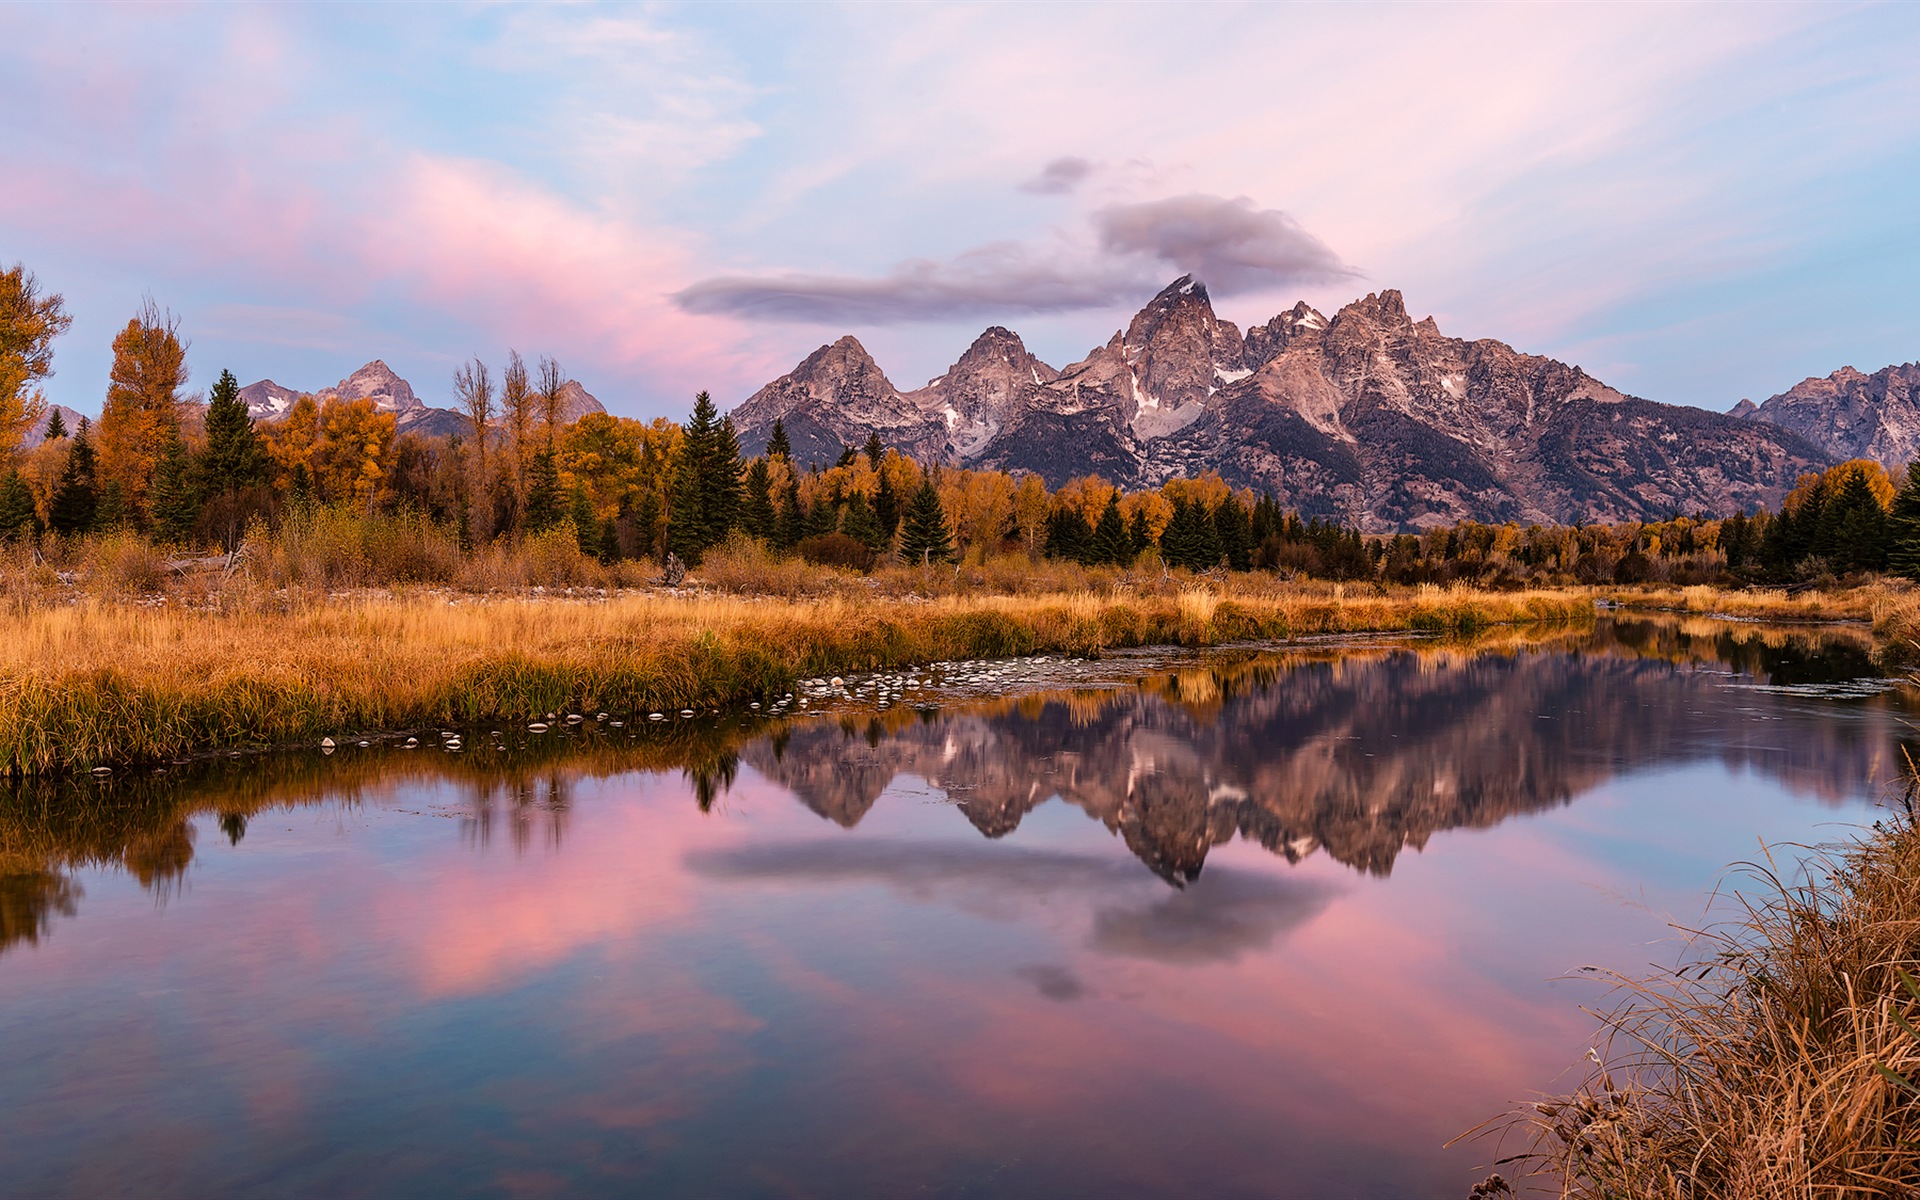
<point>270,401</point>
<point>1368,416</point>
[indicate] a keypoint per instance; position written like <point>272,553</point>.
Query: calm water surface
<point>1253,924</point>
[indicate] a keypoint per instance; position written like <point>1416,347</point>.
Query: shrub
<point>837,550</point>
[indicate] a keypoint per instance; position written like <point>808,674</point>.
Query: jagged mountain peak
<point>1851,414</point>
<point>378,382</point>
<point>1369,417</point>
<point>1386,307</point>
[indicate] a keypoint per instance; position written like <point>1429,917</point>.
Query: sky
<point>1696,203</point>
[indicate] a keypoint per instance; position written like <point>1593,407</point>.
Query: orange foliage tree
<point>142,412</point>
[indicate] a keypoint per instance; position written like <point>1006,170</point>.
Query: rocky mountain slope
<point>1851,415</point>
<point>270,401</point>
<point>1368,416</point>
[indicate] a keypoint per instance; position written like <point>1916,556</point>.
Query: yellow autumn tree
<point>1031,507</point>
<point>355,451</point>
<point>142,411</point>
<point>290,442</point>
<point>29,321</point>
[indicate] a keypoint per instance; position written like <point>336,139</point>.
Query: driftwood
<point>676,572</point>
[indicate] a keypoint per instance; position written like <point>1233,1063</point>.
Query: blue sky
<point>1695,203</point>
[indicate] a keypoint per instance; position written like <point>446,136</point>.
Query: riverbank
<point>101,681</point>
<point>1781,1059</point>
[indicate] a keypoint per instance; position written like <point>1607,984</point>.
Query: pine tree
<point>610,541</point>
<point>686,529</point>
<point>847,456</point>
<point>1069,537</point>
<point>74,499</point>
<point>542,511</point>
<point>1235,533</point>
<point>110,512</point>
<point>18,520</point>
<point>232,459</point>
<point>721,491</point>
<point>646,524</point>
<point>1859,524</point>
<point>1903,527</point>
<point>823,518</point>
<point>173,500</point>
<point>886,507</point>
<point>925,538</point>
<point>1139,533</point>
<point>778,443</point>
<point>586,527</point>
<point>56,427</point>
<point>860,523</point>
<point>757,516</point>
<point>1110,544</point>
<point>1191,540</point>
<point>790,524</point>
<point>874,450</point>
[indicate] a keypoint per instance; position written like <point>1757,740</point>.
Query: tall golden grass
<point>100,681</point>
<point>1781,1060</point>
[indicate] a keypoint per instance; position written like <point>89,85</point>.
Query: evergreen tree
<point>778,443</point>
<point>859,522</point>
<point>1858,541</point>
<point>18,520</point>
<point>173,500</point>
<point>232,459</point>
<point>646,524</point>
<point>56,427</point>
<point>721,491</point>
<point>757,516</point>
<point>706,492</point>
<point>925,538</point>
<point>1139,533</point>
<point>1110,543</point>
<point>874,450</point>
<point>586,527</point>
<point>1235,534</point>
<point>610,541</point>
<point>542,511</point>
<point>823,518</point>
<point>71,508</point>
<point>848,455</point>
<point>1069,537</point>
<point>1903,527</point>
<point>300,487</point>
<point>1191,539</point>
<point>110,512</point>
<point>790,525</point>
<point>886,507</point>
<point>1736,541</point>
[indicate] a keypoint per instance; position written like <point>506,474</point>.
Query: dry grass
<point>1782,1060</point>
<point>97,681</point>
<point>1868,602</point>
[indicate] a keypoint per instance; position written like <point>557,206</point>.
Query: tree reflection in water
<point>1355,752</point>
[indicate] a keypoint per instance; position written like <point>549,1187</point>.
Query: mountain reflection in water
<point>742,959</point>
<point>1356,752</point>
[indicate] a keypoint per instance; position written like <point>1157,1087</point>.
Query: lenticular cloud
<point>1230,244</point>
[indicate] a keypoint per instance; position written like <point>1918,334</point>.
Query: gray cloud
<point>1228,244</point>
<point>1216,918</point>
<point>997,278</point>
<point>1059,176</point>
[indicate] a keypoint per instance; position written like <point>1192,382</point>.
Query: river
<point>1252,922</point>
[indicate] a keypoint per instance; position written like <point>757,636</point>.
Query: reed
<point>1781,1059</point>
<point>103,681</point>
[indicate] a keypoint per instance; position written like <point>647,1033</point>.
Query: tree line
<point>195,472</point>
